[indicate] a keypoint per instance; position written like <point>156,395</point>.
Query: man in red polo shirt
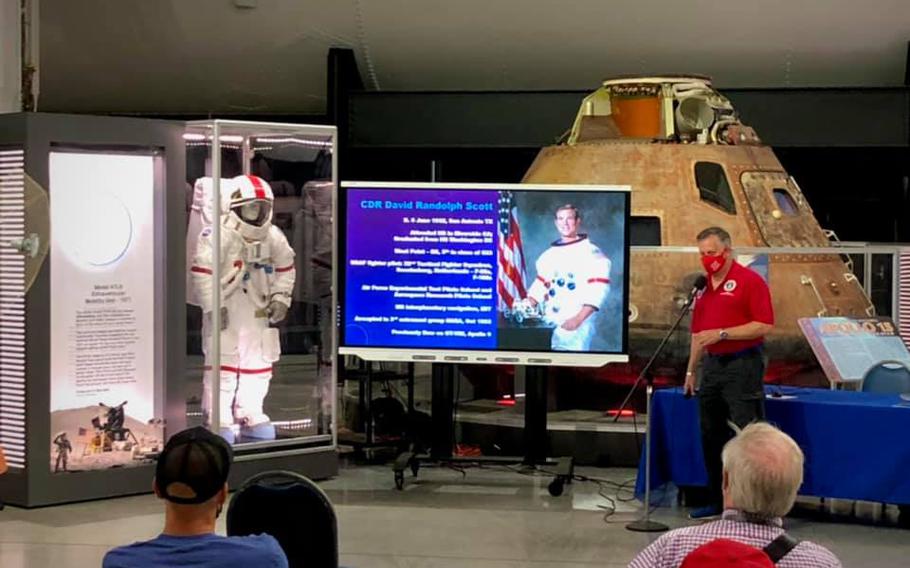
<point>731,317</point>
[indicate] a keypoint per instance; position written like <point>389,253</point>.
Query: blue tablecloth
<point>857,444</point>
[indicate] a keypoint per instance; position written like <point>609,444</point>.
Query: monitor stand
<point>535,431</point>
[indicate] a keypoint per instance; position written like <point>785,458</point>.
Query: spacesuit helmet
<point>250,208</point>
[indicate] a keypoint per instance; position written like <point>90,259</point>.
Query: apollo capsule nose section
<point>668,108</point>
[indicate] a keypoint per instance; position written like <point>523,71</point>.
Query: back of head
<point>764,469</point>
<point>193,467</point>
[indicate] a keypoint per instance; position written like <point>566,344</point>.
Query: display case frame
<point>25,365</point>
<point>31,482</point>
<point>307,453</point>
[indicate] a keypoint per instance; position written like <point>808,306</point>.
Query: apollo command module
<point>691,164</point>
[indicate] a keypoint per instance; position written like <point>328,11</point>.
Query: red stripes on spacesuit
<point>203,270</point>
<point>285,268</point>
<point>230,369</point>
<point>598,280</point>
<point>257,187</point>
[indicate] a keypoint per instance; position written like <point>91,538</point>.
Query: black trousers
<point>732,389</point>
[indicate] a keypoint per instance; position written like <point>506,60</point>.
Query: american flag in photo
<point>512,274</point>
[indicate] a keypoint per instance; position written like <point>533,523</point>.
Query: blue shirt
<point>201,551</point>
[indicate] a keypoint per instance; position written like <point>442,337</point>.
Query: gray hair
<point>764,470</point>
<point>721,234</point>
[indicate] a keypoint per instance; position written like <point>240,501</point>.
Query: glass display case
<point>259,344</point>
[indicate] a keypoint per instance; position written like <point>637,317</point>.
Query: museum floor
<point>485,519</point>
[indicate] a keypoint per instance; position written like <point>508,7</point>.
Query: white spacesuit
<point>569,277</point>
<point>257,277</point>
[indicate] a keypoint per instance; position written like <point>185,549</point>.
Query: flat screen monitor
<point>483,273</point>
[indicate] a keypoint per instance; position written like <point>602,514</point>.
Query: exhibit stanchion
<point>645,524</point>
<point>535,434</point>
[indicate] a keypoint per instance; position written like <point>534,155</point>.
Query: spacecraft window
<point>644,231</point>
<point>785,202</point>
<point>713,186</point>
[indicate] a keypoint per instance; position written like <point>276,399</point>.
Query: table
<point>857,444</point>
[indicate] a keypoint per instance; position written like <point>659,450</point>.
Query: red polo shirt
<point>741,298</point>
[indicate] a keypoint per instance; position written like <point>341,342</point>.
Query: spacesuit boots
<point>229,433</point>
<point>240,405</point>
<point>258,433</point>
<point>255,425</point>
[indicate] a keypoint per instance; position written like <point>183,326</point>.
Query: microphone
<point>700,282</point>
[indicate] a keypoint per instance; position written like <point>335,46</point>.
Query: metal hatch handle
<point>808,281</point>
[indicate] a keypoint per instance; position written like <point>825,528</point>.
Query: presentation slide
<point>422,269</point>
<point>484,269</point>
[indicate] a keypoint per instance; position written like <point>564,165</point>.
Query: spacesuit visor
<point>254,213</point>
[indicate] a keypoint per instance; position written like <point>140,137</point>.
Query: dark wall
<point>859,193</point>
<point>782,117</point>
<point>847,148</point>
<point>503,165</point>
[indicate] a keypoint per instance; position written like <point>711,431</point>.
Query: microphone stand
<point>645,524</point>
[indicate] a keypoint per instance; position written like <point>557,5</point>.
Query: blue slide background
<point>371,226</point>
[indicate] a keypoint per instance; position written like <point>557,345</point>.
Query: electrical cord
<point>612,492</point>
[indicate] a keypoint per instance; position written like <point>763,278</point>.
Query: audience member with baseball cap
<point>191,476</point>
<point>762,472</point>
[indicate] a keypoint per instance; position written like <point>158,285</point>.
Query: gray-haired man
<point>762,471</point>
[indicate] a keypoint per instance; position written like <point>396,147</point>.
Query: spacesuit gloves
<point>277,311</point>
<point>526,307</point>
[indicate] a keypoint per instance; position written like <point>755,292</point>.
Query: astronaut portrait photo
<point>573,274</point>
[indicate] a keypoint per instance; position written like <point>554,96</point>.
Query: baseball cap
<point>193,466</point>
<point>725,552</point>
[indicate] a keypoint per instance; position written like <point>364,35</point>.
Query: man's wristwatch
<point>724,334</point>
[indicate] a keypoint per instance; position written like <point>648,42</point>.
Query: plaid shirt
<point>670,549</point>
